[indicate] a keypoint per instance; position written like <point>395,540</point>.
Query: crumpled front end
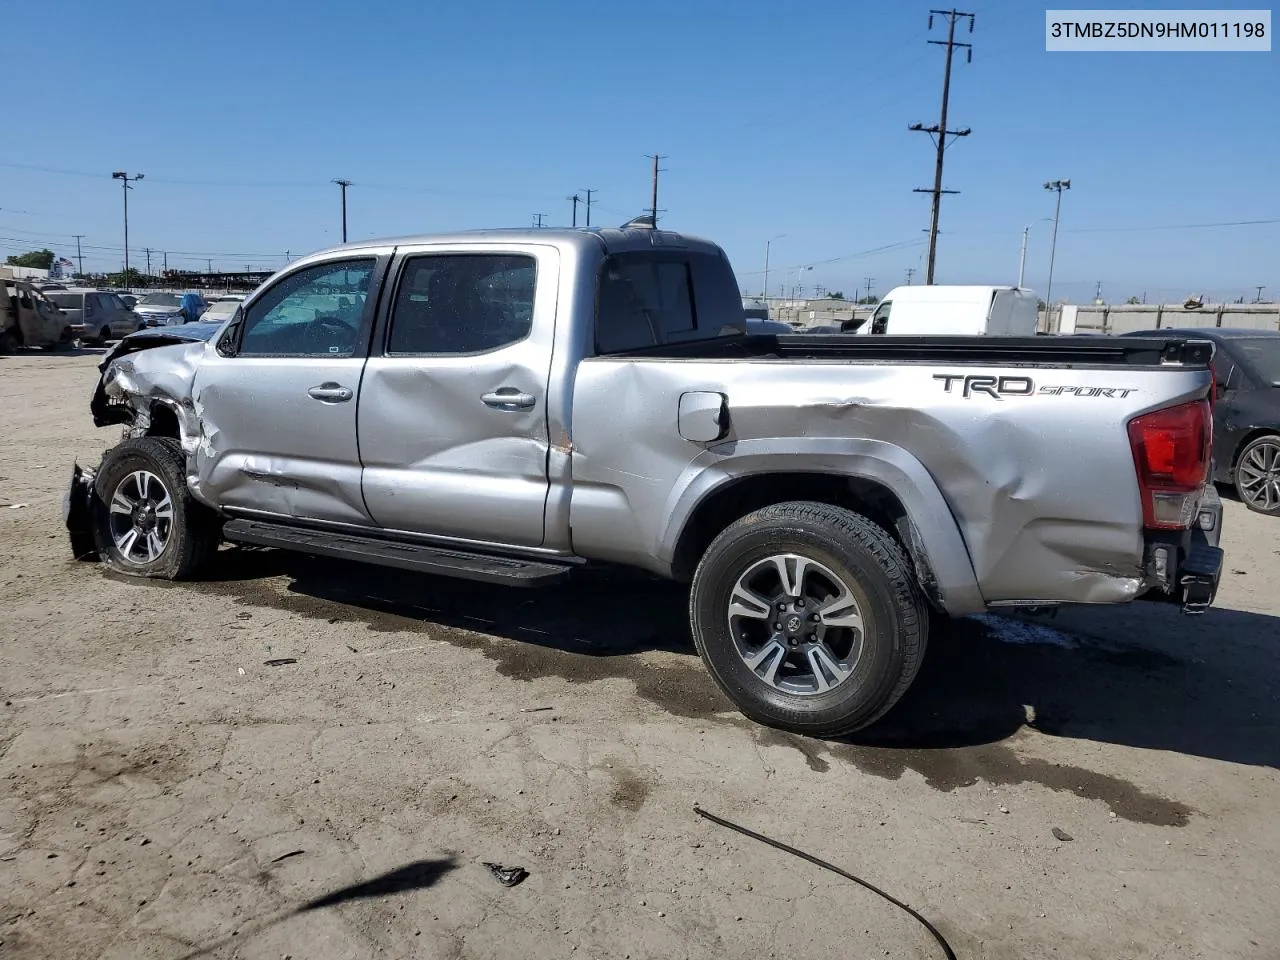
<point>140,387</point>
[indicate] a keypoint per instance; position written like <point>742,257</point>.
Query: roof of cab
<point>613,239</point>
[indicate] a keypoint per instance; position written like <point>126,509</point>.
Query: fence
<point>1126,318</point>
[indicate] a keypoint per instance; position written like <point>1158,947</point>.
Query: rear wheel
<point>146,523</point>
<point>104,335</point>
<point>1258,475</point>
<point>809,618</point>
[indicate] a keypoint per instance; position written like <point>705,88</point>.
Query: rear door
<point>452,416</point>
<point>277,394</point>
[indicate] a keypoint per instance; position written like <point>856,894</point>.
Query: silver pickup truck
<point>509,405</point>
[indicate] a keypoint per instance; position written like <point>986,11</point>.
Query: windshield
<point>160,300</point>
<point>1261,355</point>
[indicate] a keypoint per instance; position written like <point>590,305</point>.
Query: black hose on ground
<point>777,844</point>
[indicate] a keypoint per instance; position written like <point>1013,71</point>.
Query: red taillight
<point>1171,450</point>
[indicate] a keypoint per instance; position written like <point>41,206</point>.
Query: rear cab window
<point>647,299</point>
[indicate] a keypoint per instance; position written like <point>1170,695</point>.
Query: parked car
<point>101,314</point>
<point>507,406</point>
<point>162,309</point>
<point>130,300</point>
<point>939,309</point>
<point>28,318</point>
<point>1246,414</point>
<point>220,311</point>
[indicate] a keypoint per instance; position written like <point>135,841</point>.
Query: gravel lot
<point>164,793</point>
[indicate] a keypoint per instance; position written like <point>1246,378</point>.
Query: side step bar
<point>510,571</point>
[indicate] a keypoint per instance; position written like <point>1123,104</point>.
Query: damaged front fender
<point>152,374</point>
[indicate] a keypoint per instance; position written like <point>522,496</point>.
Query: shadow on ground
<point>1143,675</point>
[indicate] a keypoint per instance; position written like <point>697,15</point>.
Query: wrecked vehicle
<point>28,318</point>
<point>507,406</point>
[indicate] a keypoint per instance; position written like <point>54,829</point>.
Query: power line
<point>939,133</point>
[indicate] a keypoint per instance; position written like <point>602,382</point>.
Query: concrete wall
<point>1125,318</point>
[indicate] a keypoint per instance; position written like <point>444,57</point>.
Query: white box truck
<point>955,311</point>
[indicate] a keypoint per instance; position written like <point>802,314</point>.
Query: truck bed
<point>1067,352</point>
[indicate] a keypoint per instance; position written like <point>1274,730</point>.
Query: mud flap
<point>77,511</point>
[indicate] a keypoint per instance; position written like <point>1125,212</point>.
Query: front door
<point>277,397</point>
<point>452,418</point>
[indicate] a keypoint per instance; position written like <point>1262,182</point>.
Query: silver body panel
<point>1011,499</point>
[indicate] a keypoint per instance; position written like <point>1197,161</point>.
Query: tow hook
<point>1199,578</point>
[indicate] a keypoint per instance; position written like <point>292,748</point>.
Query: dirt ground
<point>166,793</point>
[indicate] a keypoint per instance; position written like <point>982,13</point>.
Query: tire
<point>867,663</point>
<point>1257,475</point>
<point>151,471</point>
<point>66,341</point>
<point>8,343</point>
<point>104,335</point>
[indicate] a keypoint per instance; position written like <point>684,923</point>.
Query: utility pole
<point>1022,257</point>
<point>911,272</point>
<point>208,265</point>
<point>653,206</point>
<point>1059,186</point>
<point>148,252</point>
<point>939,133</point>
<point>576,200</point>
<point>344,184</point>
<point>124,178</point>
<point>166,262</point>
<point>537,220</point>
<point>589,193</point>
<point>1257,299</point>
<point>79,257</point>
<point>870,281</point>
<point>1097,293</point>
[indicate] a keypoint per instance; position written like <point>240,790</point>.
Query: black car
<point>1246,418</point>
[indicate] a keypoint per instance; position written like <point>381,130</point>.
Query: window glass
<point>462,303</point>
<point>643,301</point>
<point>68,301</point>
<point>314,312</point>
<point>880,320</point>
<point>1262,354</point>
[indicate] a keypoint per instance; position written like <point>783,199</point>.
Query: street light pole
<point>344,184</point>
<point>767,244</point>
<point>1058,186</point>
<point>124,179</point>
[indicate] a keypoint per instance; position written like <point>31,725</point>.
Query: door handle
<point>331,392</point>
<point>509,398</point>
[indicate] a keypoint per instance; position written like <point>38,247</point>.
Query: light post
<point>1022,260</point>
<point>124,179</point>
<point>344,184</point>
<point>1058,186</point>
<point>765,287</point>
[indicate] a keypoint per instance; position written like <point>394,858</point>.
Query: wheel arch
<point>1255,434</point>
<point>879,480</point>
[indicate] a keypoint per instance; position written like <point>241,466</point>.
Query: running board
<point>396,553</point>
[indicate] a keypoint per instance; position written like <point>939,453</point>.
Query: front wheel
<point>809,618</point>
<point>146,523</point>
<point>1258,475</point>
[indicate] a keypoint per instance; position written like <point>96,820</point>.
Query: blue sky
<point>776,119</point>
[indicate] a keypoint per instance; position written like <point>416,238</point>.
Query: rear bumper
<point>1185,566</point>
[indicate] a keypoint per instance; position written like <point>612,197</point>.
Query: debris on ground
<point>286,856</point>
<point>535,709</point>
<point>17,506</point>
<point>1062,835</point>
<point>244,615</point>
<point>279,662</point>
<point>787,848</point>
<point>507,876</point>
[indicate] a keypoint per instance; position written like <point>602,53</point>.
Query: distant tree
<point>836,295</point>
<point>135,278</point>
<point>1132,300</point>
<point>37,259</point>
<point>868,300</point>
